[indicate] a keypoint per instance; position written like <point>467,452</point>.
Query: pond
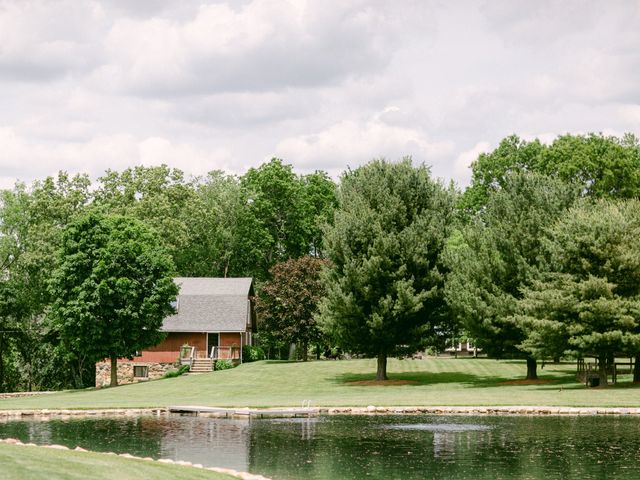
<point>357,447</point>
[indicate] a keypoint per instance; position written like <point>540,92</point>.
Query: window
<point>175,303</point>
<point>140,371</point>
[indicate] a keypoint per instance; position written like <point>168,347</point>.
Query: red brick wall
<point>169,349</point>
<point>229,339</point>
<point>157,357</point>
<point>174,341</point>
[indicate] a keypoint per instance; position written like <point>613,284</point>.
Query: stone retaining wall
<point>507,410</point>
<point>125,372</point>
<point>104,412</point>
<point>370,410</point>
<point>22,394</point>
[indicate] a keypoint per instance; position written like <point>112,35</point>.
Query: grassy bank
<point>435,381</point>
<point>34,463</point>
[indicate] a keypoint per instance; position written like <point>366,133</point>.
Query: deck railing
<point>187,355</point>
<point>225,353</point>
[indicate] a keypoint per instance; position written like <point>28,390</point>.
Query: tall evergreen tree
<point>588,302</point>
<point>385,283</point>
<point>496,256</point>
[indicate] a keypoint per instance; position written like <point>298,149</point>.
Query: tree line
<point>537,258</point>
<point>219,225</point>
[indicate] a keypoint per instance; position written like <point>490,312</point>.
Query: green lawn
<point>34,463</point>
<point>439,381</point>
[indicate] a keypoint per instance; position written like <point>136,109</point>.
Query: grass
<point>34,463</point>
<point>436,381</point>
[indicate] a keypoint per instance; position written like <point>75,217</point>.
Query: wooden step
<point>201,365</point>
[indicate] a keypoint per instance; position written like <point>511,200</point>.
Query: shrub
<point>252,353</point>
<point>176,372</point>
<point>171,373</point>
<point>223,365</point>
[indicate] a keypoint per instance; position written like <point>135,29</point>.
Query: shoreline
<point>524,410</point>
<point>167,461</point>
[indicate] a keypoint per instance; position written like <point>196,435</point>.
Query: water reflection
<point>355,447</point>
<point>440,427</point>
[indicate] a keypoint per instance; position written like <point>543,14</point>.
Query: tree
<point>489,171</point>
<point>588,302</point>
<point>112,289</point>
<point>287,212</point>
<point>495,257</point>
<point>288,302</point>
<point>31,223</point>
<point>320,203</point>
<point>226,237</point>
<point>160,197</point>
<point>276,200</point>
<point>385,282</point>
<point>601,167</point>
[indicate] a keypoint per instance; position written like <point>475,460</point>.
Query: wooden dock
<point>244,412</point>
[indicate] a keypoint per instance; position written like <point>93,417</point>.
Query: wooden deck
<point>245,412</point>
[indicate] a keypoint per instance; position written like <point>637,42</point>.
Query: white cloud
<point>265,44</point>
<point>26,160</point>
<point>88,84</point>
<point>41,40</point>
<point>462,165</point>
<point>631,114</point>
<point>192,160</point>
<point>22,160</point>
<point>350,143</point>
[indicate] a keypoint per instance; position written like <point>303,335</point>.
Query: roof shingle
<point>211,305</point>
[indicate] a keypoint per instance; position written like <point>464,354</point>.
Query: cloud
<point>42,40</point>
<point>192,160</point>
<point>248,109</point>
<point>26,161</point>
<point>462,165</point>
<point>144,8</point>
<point>89,84</point>
<point>631,113</point>
<point>350,143</point>
<point>263,45</point>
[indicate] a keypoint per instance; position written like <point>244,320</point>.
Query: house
<point>463,347</point>
<point>215,318</point>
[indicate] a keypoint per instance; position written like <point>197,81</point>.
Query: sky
<point>324,85</point>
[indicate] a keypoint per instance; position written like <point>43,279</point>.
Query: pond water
<point>375,447</point>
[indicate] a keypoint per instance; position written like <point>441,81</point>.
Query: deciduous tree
<point>320,202</point>
<point>31,223</point>
<point>288,302</point>
<point>159,196</point>
<point>600,166</point>
<point>287,210</point>
<point>112,289</point>
<point>226,237</point>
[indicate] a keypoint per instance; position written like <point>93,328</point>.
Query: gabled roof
<point>212,305</point>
